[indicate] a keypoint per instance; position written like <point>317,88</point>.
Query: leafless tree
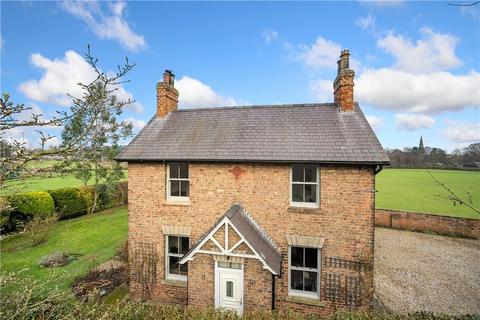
<point>16,115</point>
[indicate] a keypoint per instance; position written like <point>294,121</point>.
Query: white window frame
<point>177,198</point>
<point>298,293</point>
<point>317,184</point>
<point>168,275</point>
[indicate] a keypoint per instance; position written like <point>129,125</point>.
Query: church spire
<point>421,149</point>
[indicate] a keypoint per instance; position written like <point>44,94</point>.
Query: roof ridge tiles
<point>286,105</point>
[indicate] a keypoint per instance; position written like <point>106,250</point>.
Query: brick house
<point>256,207</point>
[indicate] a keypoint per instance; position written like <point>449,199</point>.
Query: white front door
<point>229,289</point>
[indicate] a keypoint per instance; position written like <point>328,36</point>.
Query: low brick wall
<point>457,227</point>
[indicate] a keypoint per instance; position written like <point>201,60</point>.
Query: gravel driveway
<point>416,271</point>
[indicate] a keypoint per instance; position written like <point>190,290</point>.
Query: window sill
<point>305,300</point>
<point>303,209</point>
<point>176,203</point>
<point>175,283</point>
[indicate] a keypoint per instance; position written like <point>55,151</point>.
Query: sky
<point>417,64</point>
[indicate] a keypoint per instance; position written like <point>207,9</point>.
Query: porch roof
<point>251,233</point>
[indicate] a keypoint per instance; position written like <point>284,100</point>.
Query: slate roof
<point>253,234</point>
<point>316,133</point>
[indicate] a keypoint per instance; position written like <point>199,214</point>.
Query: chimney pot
<point>169,77</point>
<point>343,84</point>
<point>167,95</point>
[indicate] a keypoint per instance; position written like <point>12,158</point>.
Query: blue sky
<point>417,63</point>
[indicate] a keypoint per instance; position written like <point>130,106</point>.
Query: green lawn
<point>43,183</point>
<point>414,190</point>
<point>93,238</point>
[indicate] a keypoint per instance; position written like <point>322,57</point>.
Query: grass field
<point>94,239</point>
<point>44,183</point>
<point>414,190</point>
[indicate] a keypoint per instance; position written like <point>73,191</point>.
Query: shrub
<point>33,204</point>
<point>87,194</point>
<point>39,228</point>
<point>69,202</point>
<point>106,198</point>
<point>57,259</point>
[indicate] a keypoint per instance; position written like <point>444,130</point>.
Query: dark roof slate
<point>277,133</point>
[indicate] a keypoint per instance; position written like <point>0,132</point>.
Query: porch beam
<point>235,246</point>
<point>217,244</point>
<point>238,255</point>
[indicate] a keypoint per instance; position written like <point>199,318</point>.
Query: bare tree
<point>15,115</point>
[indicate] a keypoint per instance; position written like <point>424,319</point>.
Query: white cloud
<point>61,76</point>
<point>195,94</point>
<point>412,122</point>
<point>367,22</point>
<point>106,25</point>
<point>269,35</point>
<point>137,124</point>
<point>1,41</point>
<point>322,89</point>
<point>462,133</point>
<point>124,95</point>
<point>428,93</point>
<point>323,53</point>
<point>434,52</point>
<point>375,122</point>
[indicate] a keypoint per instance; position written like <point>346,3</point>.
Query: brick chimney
<point>343,84</point>
<point>167,95</point>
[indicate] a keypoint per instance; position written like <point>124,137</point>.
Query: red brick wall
<point>450,226</point>
<point>345,219</point>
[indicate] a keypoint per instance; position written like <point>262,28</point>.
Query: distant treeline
<point>430,157</point>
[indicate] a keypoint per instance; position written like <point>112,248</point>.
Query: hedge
<point>69,202</point>
<point>36,203</point>
<point>18,208</point>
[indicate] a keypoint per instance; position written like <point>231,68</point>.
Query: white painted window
<point>176,247</point>
<point>305,186</point>
<point>178,187</point>
<point>304,271</point>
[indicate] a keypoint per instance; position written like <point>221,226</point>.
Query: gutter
<point>376,163</point>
